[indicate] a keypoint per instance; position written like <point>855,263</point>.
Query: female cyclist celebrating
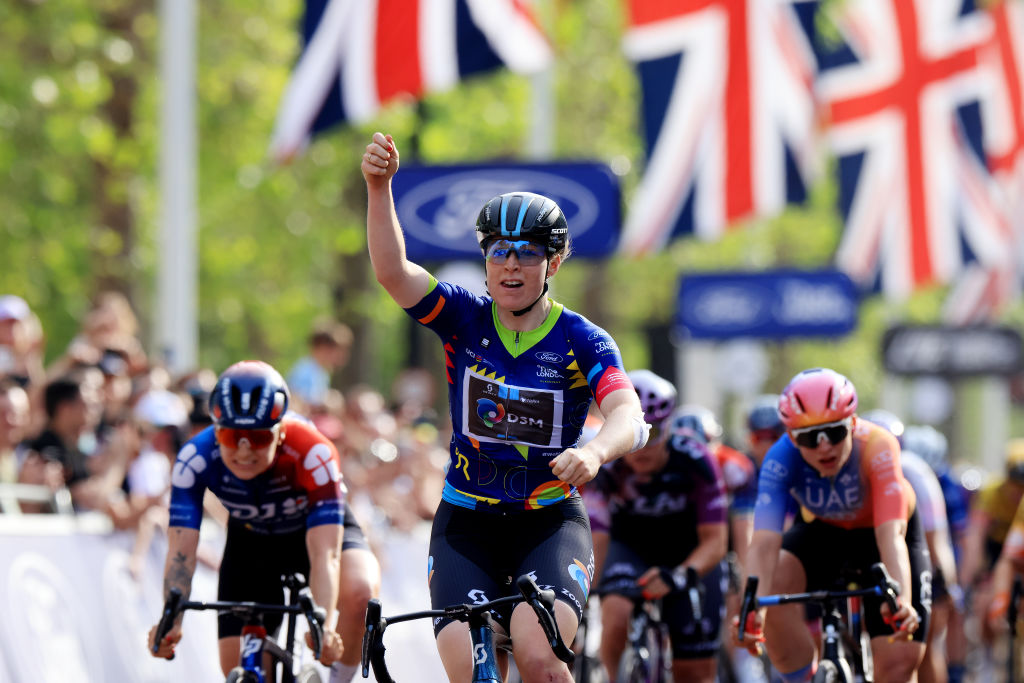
<point>522,371</point>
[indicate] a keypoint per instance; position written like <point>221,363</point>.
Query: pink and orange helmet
<point>817,396</point>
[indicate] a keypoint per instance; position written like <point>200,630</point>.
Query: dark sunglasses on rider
<point>256,438</point>
<point>810,437</point>
<point>528,253</point>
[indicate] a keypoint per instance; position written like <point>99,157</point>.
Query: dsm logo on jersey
<point>490,412</point>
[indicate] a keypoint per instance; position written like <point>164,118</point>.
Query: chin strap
<point>524,311</point>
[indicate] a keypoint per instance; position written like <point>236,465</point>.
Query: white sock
<point>342,673</point>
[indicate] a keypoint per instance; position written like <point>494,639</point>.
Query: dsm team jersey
<point>868,490</point>
<point>517,399</point>
<point>302,488</point>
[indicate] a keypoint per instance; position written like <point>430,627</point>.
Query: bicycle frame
<point>478,618</point>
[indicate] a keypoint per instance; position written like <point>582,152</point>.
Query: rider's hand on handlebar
<point>753,633</point>
<point>332,648</point>
<point>905,621</point>
<point>653,584</point>
<point>166,650</point>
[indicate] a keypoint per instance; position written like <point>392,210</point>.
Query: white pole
<point>176,326</point>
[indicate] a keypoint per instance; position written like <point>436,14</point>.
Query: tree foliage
<point>280,246</point>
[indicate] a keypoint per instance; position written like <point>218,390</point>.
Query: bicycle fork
<point>485,666</point>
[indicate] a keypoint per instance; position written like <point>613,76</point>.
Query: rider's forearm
<point>618,433</point>
<point>180,566</point>
<point>762,557</point>
<point>324,546</point>
<point>892,548</point>
<point>384,238</point>
<point>714,543</point>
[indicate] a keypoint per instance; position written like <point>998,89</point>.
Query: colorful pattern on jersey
<point>517,399</point>
<point>868,490</point>
<point>643,513</point>
<point>302,488</point>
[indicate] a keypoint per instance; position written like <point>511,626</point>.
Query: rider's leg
<point>789,642</point>
<point>615,615</point>
<point>534,657</point>
<point>933,666</point>
<point>896,661</point>
<point>229,648</point>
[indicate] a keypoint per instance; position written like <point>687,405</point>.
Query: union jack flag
<point>984,289</point>
<point>728,112</point>
<point>903,101</point>
<point>359,54</point>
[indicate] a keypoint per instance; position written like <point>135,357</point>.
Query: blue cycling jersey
<point>517,399</point>
<point>302,488</point>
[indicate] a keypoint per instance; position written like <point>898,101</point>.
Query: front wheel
<point>240,675</point>
<point>633,667</point>
<point>308,674</point>
<point>827,673</point>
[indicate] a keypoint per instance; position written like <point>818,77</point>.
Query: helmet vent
<point>803,409</point>
<point>828,398</point>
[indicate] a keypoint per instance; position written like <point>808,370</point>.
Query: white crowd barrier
<point>71,610</point>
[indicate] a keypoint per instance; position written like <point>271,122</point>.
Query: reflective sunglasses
<point>528,253</point>
<point>256,438</point>
<point>810,437</point>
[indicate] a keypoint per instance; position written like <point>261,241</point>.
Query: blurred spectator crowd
<point>97,429</point>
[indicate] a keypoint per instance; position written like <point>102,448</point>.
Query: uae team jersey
<point>517,399</point>
<point>302,488</point>
<point>868,490</point>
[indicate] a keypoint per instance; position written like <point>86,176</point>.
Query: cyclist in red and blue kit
<point>522,372</point>
<point>280,481</point>
<point>856,509</point>
<point>655,512</point>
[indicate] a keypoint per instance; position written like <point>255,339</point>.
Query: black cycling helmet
<point>523,215</point>
<point>249,395</point>
<point>764,415</point>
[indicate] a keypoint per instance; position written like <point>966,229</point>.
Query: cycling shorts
<point>254,563</point>
<point>623,566</point>
<point>476,555</point>
<point>827,552</point>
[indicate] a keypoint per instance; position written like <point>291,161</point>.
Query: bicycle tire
<point>308,674</point>
<point>633,667</point>
<point>827,672</point>
<point>240,675</point>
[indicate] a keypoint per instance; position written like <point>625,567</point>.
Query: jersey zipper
<point>508,401</point>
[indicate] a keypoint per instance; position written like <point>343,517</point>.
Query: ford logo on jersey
<point>438,205</point>
<point>489,411</point>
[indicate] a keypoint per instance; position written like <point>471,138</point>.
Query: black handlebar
<point>883,586</point>
<point>302,604</point>
<point>542,602</point>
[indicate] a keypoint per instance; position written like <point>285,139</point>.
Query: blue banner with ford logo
<point>438,205</point>
<point>770,305</point>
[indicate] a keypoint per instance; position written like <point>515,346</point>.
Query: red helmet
<point>816,396</point>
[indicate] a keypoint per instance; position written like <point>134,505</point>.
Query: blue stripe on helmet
<point>524,206</point>
<point>504,211</point>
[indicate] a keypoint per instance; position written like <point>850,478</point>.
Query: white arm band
<point>641,430</point>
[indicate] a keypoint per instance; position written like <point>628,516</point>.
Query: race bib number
<point>503,413</point>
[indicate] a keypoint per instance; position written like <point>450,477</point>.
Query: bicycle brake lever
<point>543,603</point>
<point>889,587</point>
<point>373,643</point>
<point>167,618</point>
<point>748,605</point>
<point>315,617</point>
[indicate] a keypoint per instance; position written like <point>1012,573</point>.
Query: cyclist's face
<point>649,459</point>
<point>828,458</point>
<point>246,460</point>
<point>516,282</point>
